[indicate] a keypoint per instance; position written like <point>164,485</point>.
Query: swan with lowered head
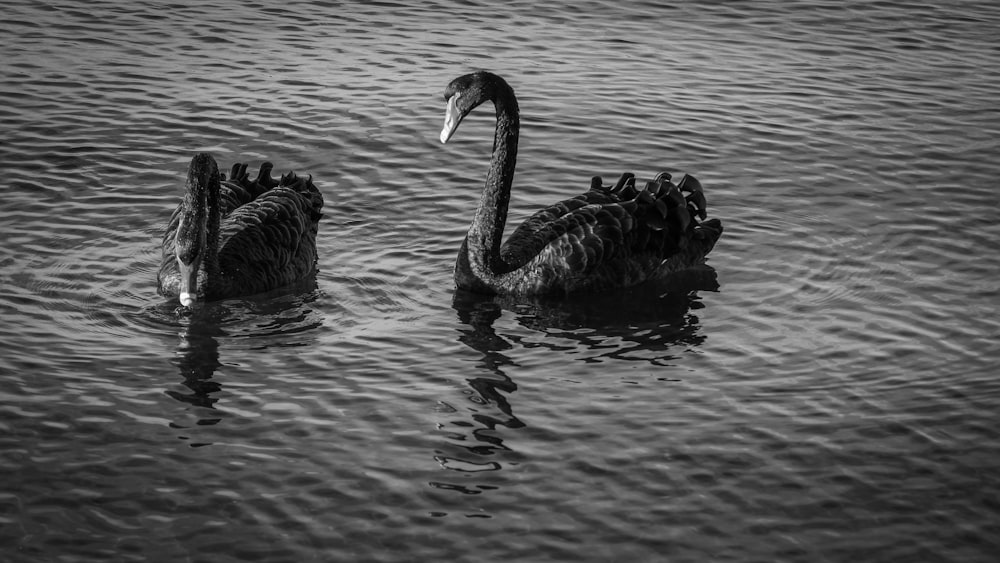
<point>238,236</point>
<point>605,238</point>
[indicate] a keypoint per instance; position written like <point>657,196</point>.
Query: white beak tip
<point>186,298</point>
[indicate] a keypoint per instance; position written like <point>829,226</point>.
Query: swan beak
<point>452,117</point>
<point>188,293</point>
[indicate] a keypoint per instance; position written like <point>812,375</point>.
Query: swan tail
<point>241,189</point>
<point>675,214</point>
<point>661,204</point>
<point>305,186</point>
<point>238,174</point>
<point>680,211</point>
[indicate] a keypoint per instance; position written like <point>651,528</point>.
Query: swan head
<point>187,268</point>
<point>190,248</point>
<point>465,93</point>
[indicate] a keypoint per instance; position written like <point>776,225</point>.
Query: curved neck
<point>486,232</point>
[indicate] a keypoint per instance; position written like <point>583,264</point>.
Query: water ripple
<point>824,389</point>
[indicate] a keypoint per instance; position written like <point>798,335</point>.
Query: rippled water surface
<point>825,390</point>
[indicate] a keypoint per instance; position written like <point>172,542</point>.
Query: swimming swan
<point>609,237</point>
<point>238,236</point>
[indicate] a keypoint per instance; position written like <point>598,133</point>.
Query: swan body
<point>608,237</point>
<point>238,236</point>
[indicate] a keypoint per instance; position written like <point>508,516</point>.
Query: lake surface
<point>825,389</point>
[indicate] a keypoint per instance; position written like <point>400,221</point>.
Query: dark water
<point>825,391</point>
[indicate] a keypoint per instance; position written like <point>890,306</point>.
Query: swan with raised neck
<point>607,237</point>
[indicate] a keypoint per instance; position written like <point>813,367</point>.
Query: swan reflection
<point>645,323</point>
<point>197,358</point>
<point>271,320</point>
<point>473,441</point>
<point>488,390</point>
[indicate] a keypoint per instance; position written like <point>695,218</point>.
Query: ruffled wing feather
<point>610,236</point>
<point>271,240</point>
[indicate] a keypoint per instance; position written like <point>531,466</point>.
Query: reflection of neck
<point>486,231</point>
<point>198,358</point>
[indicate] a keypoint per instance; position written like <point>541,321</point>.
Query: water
<point>824,391</point>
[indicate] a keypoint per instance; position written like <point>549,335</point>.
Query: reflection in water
<point>274,319</point>
<point>489,395</point>
<point>643,323</point>
<point>489,389</point>
<point>197,359</point>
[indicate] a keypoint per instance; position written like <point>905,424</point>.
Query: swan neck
<point>486,232</point>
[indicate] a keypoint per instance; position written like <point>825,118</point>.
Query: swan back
<point>610,237</point>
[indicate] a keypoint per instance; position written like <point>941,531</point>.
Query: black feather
<point>604,238</point>
<point>261,235</point>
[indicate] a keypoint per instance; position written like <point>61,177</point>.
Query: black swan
<point>609,237</point>
<point>238,236</point>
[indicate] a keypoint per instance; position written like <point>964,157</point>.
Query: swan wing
<point>578,242</point>
<point>239,189</point>
<point>537,227</point>
<point>610,237</point>
<point>270,241</point>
